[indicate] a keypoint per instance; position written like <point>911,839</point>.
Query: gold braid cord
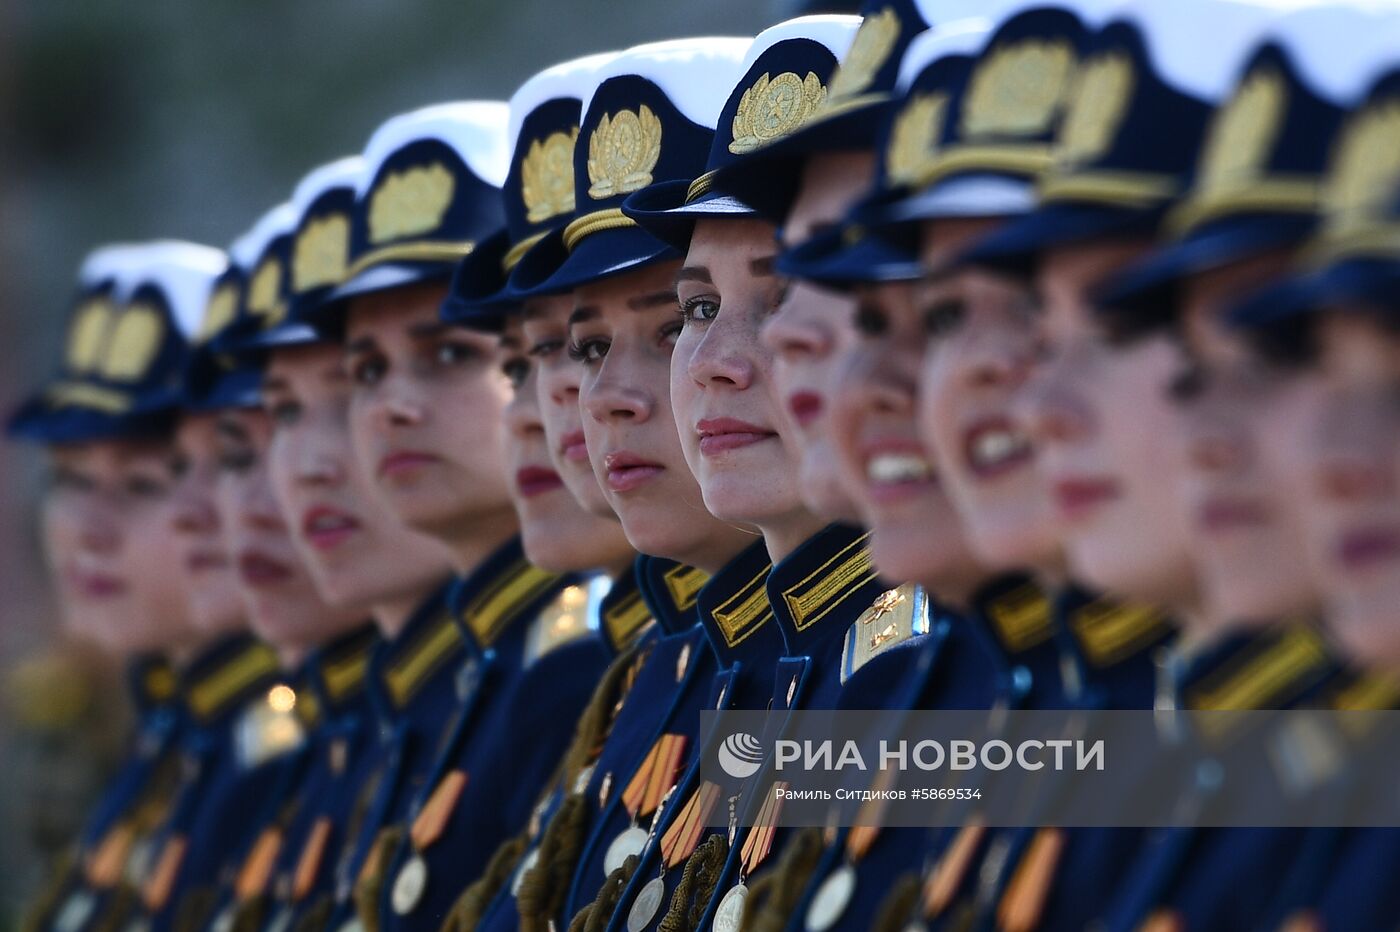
<point>471,906</point>
<point>594,917</point>
<point>543,888</point>
<point>371,884</point>
<point>774,897</point>
<point>196,909</point>
<point>315,917</point>
<point>898,905</point>
<point>697,886</point>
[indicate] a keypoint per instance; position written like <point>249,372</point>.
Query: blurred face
<point>356,549</point>
<point>558,534</point>
<point>278,594</point>
<point>623,330</point>
<point>210,579</point>
<point>1099,412</point>
<point>1359,347</point>
<point>811,329</point>
<point>983,343</point>
<point>426,411</point>
<point>915,534</point>
<point>726,404</point>
<point>546,341</point>
<point>1237,494</point>
<point>108,542</point>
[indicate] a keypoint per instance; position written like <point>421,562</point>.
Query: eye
<point>283,412</point>
<point>944,317</point>
<point>144,487</point>
<point>670,332</point>
<point>589,351</point>
<point>870,321</point>
<point>70,480</point>
<point>699,310</point>
<point>452,353</point>
<point>237,461</point>
<point>545,349</point>
<point>368,370</point>
<point>517,370</point>
<point>179,466</point>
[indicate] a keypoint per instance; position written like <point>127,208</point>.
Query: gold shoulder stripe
<point>1108,631</point>
<point>1021,617</point>
<point>625,618</point>
<point>1269,679</point>
<point>744,612</point>
<point>214,692</point>
<point>420,661</point>
<point>159,682</point>
<point>684,584</point>
<point>492,611</point>
<point>345,675</point>
<point>1370,691</point>
<point>812,598</point>
<point>308,706</point>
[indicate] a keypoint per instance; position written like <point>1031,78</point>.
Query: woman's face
<point>983,344</point>
<point>356,549</point>
<point>210,578</point>
<point>279,596</point>
<point>915,533</point>
<point>425,411</point>
<point>623,330</point>
<point>811,329</point>
<point>546,343</point>
<point>558,534</point>
<point>1099,411</point>
<point>108,542</point>
<point>726,403</point>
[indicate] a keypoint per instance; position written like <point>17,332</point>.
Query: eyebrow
<point>359,345</point>
<point>511,341</point>
<point>694,273</point>
<point>655,299</point>
<point>232,430</point>
<point>428,329</point>
<point>581,314</point>
<point>274,383</point>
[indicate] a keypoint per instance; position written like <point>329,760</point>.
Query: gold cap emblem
<point>321,253</point>
<point>622,152</point>
<point>774,107</point>
<point>136,338</point>
<point>1243,133</point>
<point>873,42</point>
<point>223,305</point>
<point>1366,169</point>
<point>410,203</point>
<point>1019,90</point>
<point>914,139</point>
<point>547,176</point>
<point>1097,106</point>
<point>88,332</point>
<point>265,292</point>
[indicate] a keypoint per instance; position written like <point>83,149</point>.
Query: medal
<point>409,885</point>
<point>526,865</point>
<point>730,913</point>
<point>76,911</point>
<point>645,906</point>
<point>224,921</point>
<point>353,924</point>
<point>831,898</point>
<point>282,921</point>
<point>643,795</point>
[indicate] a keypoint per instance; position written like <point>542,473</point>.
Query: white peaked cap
<point>833,31</point>
<point>185,274</point>
<point>342,173</point>
<point>117,263</point>
<point>696,74</point>
<point>962,37</point>
<point>248,248</point>
<point>1339,49</point>
<point>571,79</point>
<point>476,129</point>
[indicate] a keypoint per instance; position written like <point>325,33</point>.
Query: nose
<point>257,504</point>
<point>194,512</point>
<point>397,403</point>
<point>522,413</point>
<point>316,465</point>
<point>1049,408</point>
<point>1217,448</point>
<point>872,380</point>
<point>98,528</point>
<point>999,357</point>
<point>613,396</point>
<point>1352,478</point>
<point>721,359</point>
<point>795,333</point>
<point>561,383</point>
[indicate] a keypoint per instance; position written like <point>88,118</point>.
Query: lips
<point>1362,548</point>
<point>722,434</point>
<point>993,447</point>
<point>1077,497</point>
<point>1219,515</point>
<point>326,528</point>
<point>96,586</point>
<point>258,570</point>
<point>574,447</point>
<point>896,470</point>
<point>806,407</point>
<point>203,561</point>
<point>536,480</point>
<point>627,471</point>
<point>404,464</point>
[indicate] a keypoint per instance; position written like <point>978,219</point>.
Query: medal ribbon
<point>760,837</point>
<point>310,861</point>
<point>869,818</point>
<point>428,826</point>
<point>684,834</point>
<point>656,775</point>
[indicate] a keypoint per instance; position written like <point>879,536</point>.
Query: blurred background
<point>189,119</point>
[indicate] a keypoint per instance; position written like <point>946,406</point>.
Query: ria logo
<point>740,755</point>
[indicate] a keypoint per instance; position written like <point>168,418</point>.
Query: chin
<point>1116,567</point>
<point>551,547</point>
<point>1015,542</point>
<point>1368,635</point>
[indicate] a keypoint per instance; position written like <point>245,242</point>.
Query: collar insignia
<point>823,589</point>
<point>745,611</point>
<point>492,610</point>
<point>1264,676</point>
<point>423,658</point>
<point>212,694</point>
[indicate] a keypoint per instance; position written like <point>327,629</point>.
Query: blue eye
<point>699,310</point>
<point>588,351</point>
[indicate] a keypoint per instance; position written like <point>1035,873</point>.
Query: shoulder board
<point>422,659</point>
<point>493,609</point>
<point>1266,676</point>
<point>684,583</point>
<point>745,611</point>
<point>625,619</point>
<point>212,694</point>
<point>1108,631</point>
<point>561,622</point>
<point>894,617</point>
<point>1021,617</point>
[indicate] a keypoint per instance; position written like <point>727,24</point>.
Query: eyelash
<point>546,348</point>
<point>517,370</point>
<point>283,412</point>
<point>688,308</point>
<point>578,350</point>
<point>237,461</point>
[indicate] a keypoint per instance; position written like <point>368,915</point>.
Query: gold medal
<point>628,843</point>
<point>224,921</point>
<point>352,924</point>
<point>832,898</point>
<point>409,885</point>
<point>646,905</point>
<point>730,915</point>
<point>76,911</point>
<point>283,920</point>
<point>526,865</point>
